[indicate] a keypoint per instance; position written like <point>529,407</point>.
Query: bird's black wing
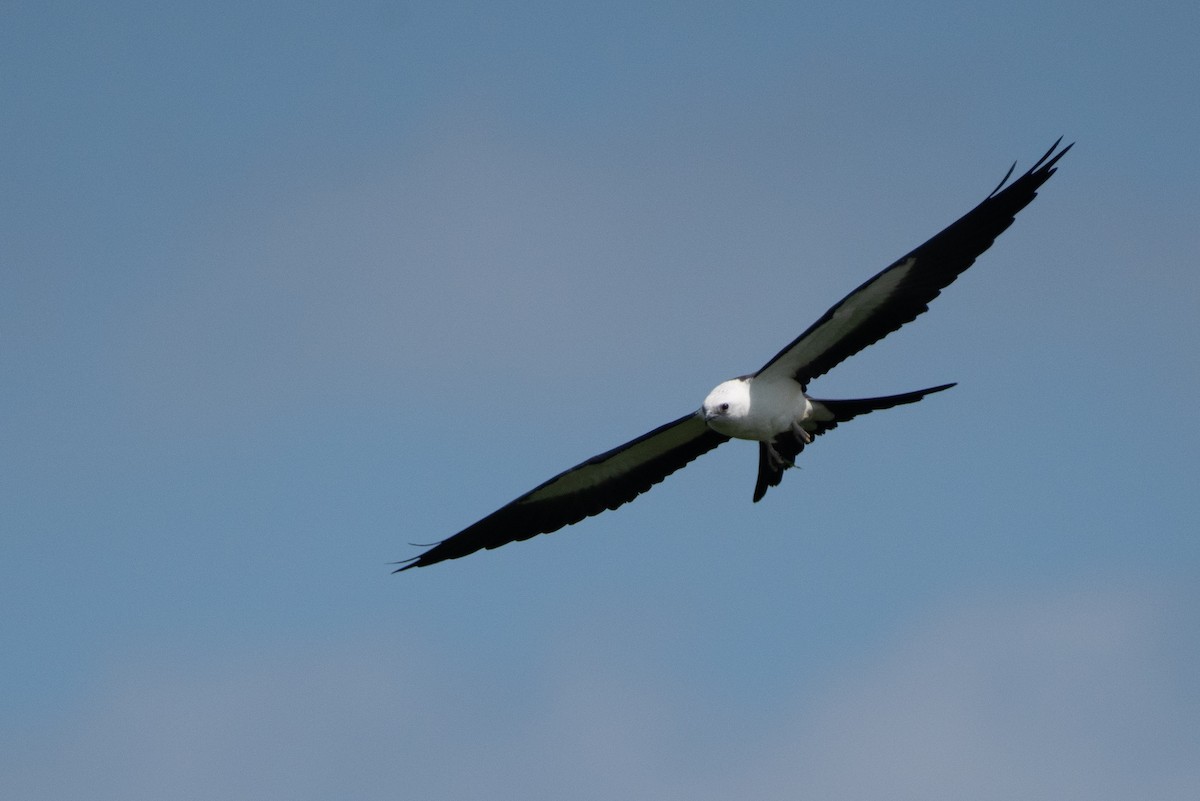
<point>903,290</point>
<point>603,482</point>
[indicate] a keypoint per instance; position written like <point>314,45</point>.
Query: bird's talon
<point>802,436</point>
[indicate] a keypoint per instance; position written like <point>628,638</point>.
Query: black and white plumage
<point>771,406</point>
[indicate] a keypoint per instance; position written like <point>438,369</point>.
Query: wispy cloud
<point>1071,696</point>
<point>1084,695</point>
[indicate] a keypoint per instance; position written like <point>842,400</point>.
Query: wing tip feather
<point>1042,169</point>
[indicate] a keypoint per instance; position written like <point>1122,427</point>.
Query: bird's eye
<point>724,407</point>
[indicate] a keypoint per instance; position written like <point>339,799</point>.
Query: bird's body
<point>774,410</point>
<point>749,408</point>
<point>771,406</point>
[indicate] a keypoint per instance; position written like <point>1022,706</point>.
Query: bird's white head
<point>728,403</point>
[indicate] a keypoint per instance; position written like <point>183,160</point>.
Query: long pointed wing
<point>603,482</point>
<point>903,290</point>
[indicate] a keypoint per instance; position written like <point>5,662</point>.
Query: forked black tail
<point>787,447</point>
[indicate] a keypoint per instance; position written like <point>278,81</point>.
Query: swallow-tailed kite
<point>770,406</point>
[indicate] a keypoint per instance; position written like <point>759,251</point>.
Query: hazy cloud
<point>1083,695</point>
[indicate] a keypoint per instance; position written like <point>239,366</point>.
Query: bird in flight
<point>770,406</point>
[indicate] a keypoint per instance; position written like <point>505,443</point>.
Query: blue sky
<point>287,287</point>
